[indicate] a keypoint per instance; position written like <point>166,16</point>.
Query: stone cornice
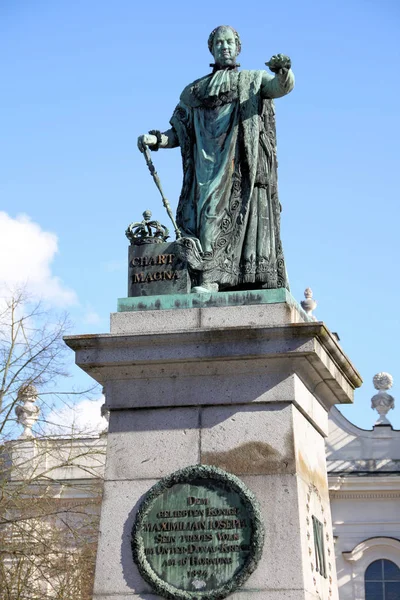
<point>376,433</point>
<point>363,467</point>
<point>370,544</point>
<point>307,349</point>
<point>293,332</point>
<point>371,487</point>
<point>363,495</point>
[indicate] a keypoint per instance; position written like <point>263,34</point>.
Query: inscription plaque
<point>157,269</point>
<point>198,534</point>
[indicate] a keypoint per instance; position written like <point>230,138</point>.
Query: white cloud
<point>91,317</point>
<point>83,418</point>
<point>26,253</point>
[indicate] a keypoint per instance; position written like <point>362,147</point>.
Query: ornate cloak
<point>229,202</point>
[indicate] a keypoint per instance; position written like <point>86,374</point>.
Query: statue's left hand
<point>279,63</point>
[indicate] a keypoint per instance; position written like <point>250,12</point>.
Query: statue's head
<point>224,44</point>
<point>27,393</point>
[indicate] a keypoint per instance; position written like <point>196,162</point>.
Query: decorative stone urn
<point>309,304</point>
<point>28,413</point>
<point>382,402</point>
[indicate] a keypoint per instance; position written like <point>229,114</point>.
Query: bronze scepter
<point>157,181</point>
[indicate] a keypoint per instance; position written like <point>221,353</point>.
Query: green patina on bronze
<point>207,299</point>
<point>198,534</point>
<point>229,212</point>
<point>156,269</point>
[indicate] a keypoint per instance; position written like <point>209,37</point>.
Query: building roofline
<point>337,417</point>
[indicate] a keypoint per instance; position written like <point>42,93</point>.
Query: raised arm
<point>155,140</point>
<point>282,82</point>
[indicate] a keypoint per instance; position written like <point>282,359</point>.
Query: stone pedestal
<point>244,388</point>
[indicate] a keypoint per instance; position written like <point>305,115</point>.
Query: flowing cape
<point>246,245</point>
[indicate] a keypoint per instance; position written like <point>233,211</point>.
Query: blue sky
<point>81,80</point>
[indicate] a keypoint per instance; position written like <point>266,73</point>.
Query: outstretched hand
<point>279,63</point>
<point>146,140</point>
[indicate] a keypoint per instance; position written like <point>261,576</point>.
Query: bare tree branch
<point>50,486</point>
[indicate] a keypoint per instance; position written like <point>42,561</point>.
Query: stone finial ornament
<point>105,413</point>
<point>146,231</point>
<point>28,413</point>
<point>309,304</point>
<point>382,402</point>
<point>382,381</point>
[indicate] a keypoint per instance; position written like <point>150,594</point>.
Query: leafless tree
<point>50,487</point>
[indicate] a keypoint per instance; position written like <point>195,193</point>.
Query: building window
<point>320,563</point>
<point>382,581</point>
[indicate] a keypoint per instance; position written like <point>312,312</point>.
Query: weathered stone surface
<point>157,321</point>
<point>166,439</point>
<point>279,505</point>
<point>310,454</point>
<point>249,397</point>
<point>116,573</point>
<point>154,321</point>
<point>307,349</point>
<point>156,269</point>
<point>250,381</point>
<point>249,440</point>
<point>314,502</point>
<point>278,573</point>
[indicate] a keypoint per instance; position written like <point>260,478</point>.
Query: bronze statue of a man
<point>228,211</point>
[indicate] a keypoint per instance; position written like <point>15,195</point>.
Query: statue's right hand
<point>146,140</point>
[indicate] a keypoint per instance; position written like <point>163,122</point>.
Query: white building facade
<point>364,484</point>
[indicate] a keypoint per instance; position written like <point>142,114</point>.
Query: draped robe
<point>229,212</point>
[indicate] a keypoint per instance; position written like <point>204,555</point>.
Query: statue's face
<point>224,47</point>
